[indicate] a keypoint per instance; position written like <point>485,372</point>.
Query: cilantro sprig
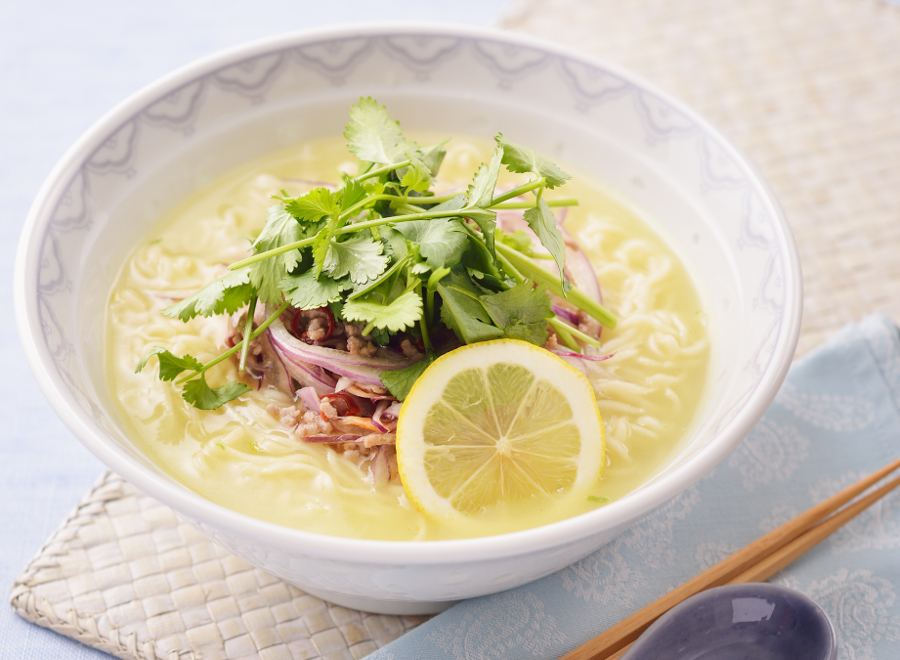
<point>384,251</point>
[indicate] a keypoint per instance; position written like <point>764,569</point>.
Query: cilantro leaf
<point>452,204</point>
<point>478,257</point>
<point>540,219</point>
<point>384,278</point>
<point>433,157</point>
<point>281,228</point>
<point>374,187</point>
<point>462,311</point>
<point>481,192</point>
<point>361,257</point>
<point>400,381</point>
<point>522,159</point>
<point>169,365</point>
<point>305,291</point>
<point>400,313</point>
<point>517,240</point>
<point>486,282</point>
<point>394,242</point>
<point>416,177</point>
<point>198,393</point>
<point>441,241</point>
<point>224,296</point>
<point>314,205</point>
<point>372,135</point>
<point>322,244</point>
<point>486,221</point>
<point>354,192</point>
<point>522,312</point>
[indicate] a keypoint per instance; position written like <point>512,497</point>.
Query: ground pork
<point>410,351</point>
<point>588,325</point>
<point>552,342</point>
<point>317,329</point>
<point>361,346</point>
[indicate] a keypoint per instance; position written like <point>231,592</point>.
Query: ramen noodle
<point>243,457</point>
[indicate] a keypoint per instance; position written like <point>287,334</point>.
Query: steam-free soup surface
<point>243,458</point>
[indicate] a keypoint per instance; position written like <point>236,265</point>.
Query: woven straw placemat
<point>124,575</point>
<point>809,89</point>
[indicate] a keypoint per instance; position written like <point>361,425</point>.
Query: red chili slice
<point>295,325</point>
<point>352,405</point>
<point>329,315</point>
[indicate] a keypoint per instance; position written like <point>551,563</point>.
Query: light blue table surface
<point>62,65</point>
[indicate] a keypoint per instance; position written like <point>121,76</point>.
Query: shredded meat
<point>409,350</point>
<point>302,423</point>
<point>552,342</point>
<point>366,390</point>
<point>352,424</point>
<point>377,439</point>
<point>588,325</point>
<point>337,415</point>
<point>329,411</point>
<point>317,329</point>
<point>289,416</point>
<point>361,346</point>
<point>375,447</point>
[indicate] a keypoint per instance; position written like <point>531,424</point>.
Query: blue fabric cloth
<point>834,421</point>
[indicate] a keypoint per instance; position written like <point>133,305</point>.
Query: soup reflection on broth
<point>246,459</point>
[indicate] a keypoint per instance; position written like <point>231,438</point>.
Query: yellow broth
<point>242,458</point>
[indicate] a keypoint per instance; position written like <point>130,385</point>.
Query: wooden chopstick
<point>770,565</point>
<point>783,544</point>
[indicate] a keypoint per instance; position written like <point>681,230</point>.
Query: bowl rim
<point>615,515</point>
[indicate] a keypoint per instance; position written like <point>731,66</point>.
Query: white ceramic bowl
<point>195,124</point>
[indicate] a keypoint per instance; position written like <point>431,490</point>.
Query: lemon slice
<point>494,422</point>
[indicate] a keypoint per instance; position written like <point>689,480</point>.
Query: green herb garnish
<point>387,253</point>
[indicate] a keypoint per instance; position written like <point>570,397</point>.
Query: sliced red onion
<point>579,269</point>
<point>581,274</point>
<point>376,417</point>
<point>579,360</point>
<point>274,371</point>
<point>357,389</point>
<point>363,374</point>
<point>567,315</point>
<point>393,410</point>
<point>359,367</point>
<point>308,375</point>
<point>332,438</point>
<point>582,356</point>
<point>310,399</point>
